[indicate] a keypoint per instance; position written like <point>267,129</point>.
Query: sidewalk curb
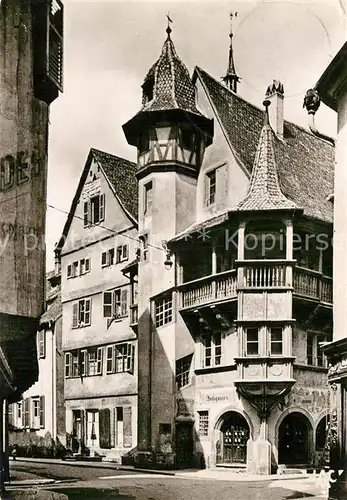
<point>178,473</point>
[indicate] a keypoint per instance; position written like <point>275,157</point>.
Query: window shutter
<point>104,259</point>
<point>75,315</point>
<point>102,207</point>
<point>125,252</point>
<point>108,304</point>
<point>221,185</point>
<point>127,427</point>
<point>86,213</point>
<point>42,411</point>
<point>87,311</point>
<point>110,359</point>
<point>69,271</point>
<point>206,190</point>
<point>10,415</point>
<point>99,361</point>
<point>87,265</point>
<point>42,343</point>
<point>124,301</point>
<point>112,428</point>
<point>105,428</point>
<point>27,412</point>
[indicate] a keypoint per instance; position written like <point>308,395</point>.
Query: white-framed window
<point>252,341</point>
<point>115,303</point>
<point>78,268</point>
<point>94,355</point>
<point>148,197</point>
<point>122,253</point>
<point>81,313</point>
<point>41,344</point>
<point>94,210</point>
<point>314,352</point>
<point>84,266</point>
<point>212,350</point>
<point>107,258</point>
<point>210,187</point>
<point>183,371</point>
<point>203,422</point>
<point>120,358</point>
<point>35,413</point>
<point>276,340</point>
<point>163,310</point>
<point>72,364</point>
<point>143,252</point>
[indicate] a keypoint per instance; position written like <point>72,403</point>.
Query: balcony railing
<point>213,288</point>
<point>257,275</point>
<point>134,315</point>
<point>264,274</point>
<point>312,284</point>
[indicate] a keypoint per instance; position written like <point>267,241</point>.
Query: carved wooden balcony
<point>208,290</point>
<point>313,285</point>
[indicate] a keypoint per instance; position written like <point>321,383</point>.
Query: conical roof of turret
<point>172,85</point>
<point>264,191</point>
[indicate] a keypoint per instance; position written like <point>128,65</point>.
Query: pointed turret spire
<point>264,190</point>
<point>231,79</point>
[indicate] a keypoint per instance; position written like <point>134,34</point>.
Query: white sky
<point>110,45</point>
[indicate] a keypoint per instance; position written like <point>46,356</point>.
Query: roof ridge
<point>258,108</point>
<point>96,150</point>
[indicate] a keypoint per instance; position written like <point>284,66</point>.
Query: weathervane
<point>169,20</point>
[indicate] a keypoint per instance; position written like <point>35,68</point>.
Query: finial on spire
<point>169,20</point>
<point>266,104</point>
<point>231,79</point>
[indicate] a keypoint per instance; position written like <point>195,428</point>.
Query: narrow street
<point>110,483</point>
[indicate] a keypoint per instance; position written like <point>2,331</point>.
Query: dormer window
<point>148,90</point>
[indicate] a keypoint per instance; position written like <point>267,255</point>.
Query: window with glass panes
<point>124,357</point>
<point>309,349</point>
<point>276,341</point>
<point>163,311</point>
<point>94,361</point>
<point>252,341</point>
<point>320,356</point>
<point>203,423</point>
<point>183,371</point>
<point>212,350</point>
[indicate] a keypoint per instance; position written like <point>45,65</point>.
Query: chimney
<point>275,94</point>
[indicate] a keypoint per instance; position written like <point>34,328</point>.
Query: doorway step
<point>284,470</point>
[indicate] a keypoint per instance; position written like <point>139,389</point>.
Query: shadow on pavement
<point>93,494</point>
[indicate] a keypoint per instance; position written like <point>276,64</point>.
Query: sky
<point>110,45</point>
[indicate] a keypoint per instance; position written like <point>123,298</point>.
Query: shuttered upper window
<point>94,210</point>
<point>47,49</point>
<point>81,312</point>
<point>115,303</point>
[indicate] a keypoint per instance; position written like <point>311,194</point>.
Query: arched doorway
<point>231,446</point>
<point>294,440</point>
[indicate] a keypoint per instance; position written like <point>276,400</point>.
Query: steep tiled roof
<point>305,162</point>
<point>173,88</point>
<point>264,190</point>
<point>53,312</point>
<point>122,175</point>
